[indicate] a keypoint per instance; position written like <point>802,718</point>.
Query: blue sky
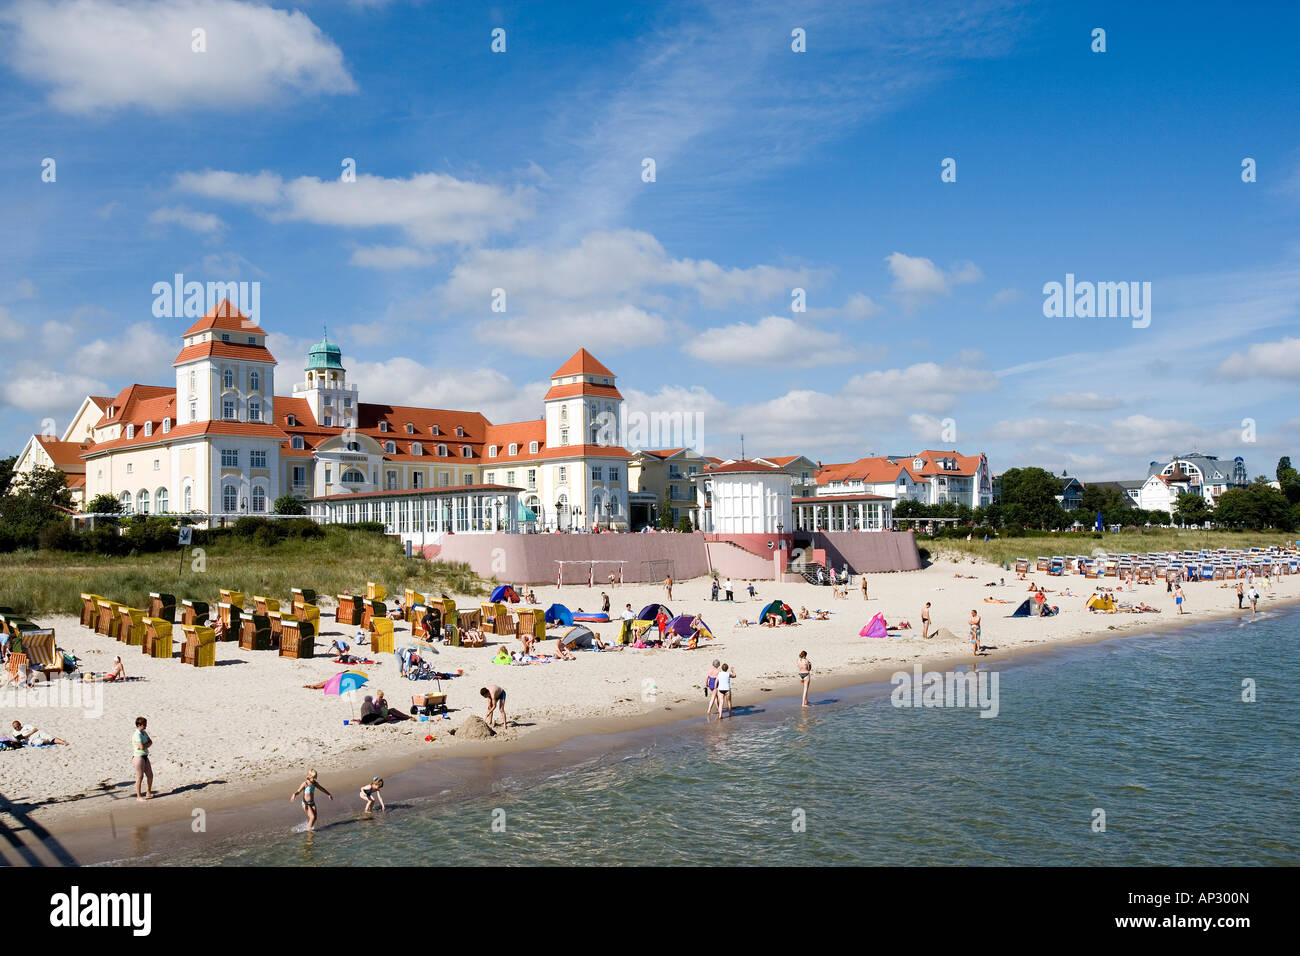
<point>522,170</point>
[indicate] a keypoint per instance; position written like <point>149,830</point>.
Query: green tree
<point>684,524</point>
<point>1256,506</point>
<point>1191,508</point>
<point>6,472</point>
<point>289,505</point>
<point>1029,498</point>
<point>103,504</point>
<point>35,500</point>
<point>666,513</point>
<point>1289,479</point>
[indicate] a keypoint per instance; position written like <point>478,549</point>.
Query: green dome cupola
<point>324,355</point>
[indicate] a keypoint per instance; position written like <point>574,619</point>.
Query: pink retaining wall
<point>733,561</point>
<point>530,558</point>
<point>869,551</point>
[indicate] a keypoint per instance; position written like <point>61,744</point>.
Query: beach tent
<point>876,627</point>
<point>578,636</point>
<point>504,593</point>
<point>559,614</point>
<point>1101,602</point>
<point>651,611</point>
<point>1026,608</point>
<point>681,624</point>
<point>779,608</point>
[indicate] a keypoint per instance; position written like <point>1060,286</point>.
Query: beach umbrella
<point>345,682</point>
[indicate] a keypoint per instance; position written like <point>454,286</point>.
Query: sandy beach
<point>239,731</point>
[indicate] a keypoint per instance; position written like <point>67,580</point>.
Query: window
<point>390,447</point>
<point>354,446</point>
<point>299,476</point>
<point>228,409</point>
<point>225,336</point>
<point>613,473</point>
<point>466,451</point>
<point>192,381</point>
<point>417,479</point>
<point>329,400</point>
<point>252,340</point>
<point>532,448</point>
<point>444,479</point>
<point>490,478</point>
<point>130,431</point>
<point>167,425</point>
<point>187,498</point>
<point>148,429</point>
<point>564,474</point>
<point>194,411</point>
<point>347,401</point>
<point>126,500</point>
<point>142,502</point>
<point>230,458</point>
<point>433,430</point>
<point>469,478</point>
<point>254,411</point>
<point>564,413</point>
<point>514,449</point>
<point>510,477</point>
<point>155,464</point>
<point>228,378</point>
<point>327,476</point>
<point>229,499</point>
<point>353,477</point>
<point>257,459</point>
<point>532,479</point>
<point>160,500</point>
<point>460,432</point>
<point>297,442</point>
<point>392,481</point>
<point>329,421</point>
<point>597,473</point>
<point>417,448</point>
<point>410,429</point>
<point>254,382</point>
<point>564,436</point>
<point>259,499</point>
<point>128,469</point>
<point>383,426</point>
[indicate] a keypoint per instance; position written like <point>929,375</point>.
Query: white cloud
<point>430,208</point>
<point>857,307</point>
<point>404,381</point>
<point>927,386</point>
<point>614,329</point>
<point>918,280</point>
<point>1273,359</point>
<point>97,55</point>
<point>11,328</point>
<point>1084,401</point>
<point>48,391</point>
<point>139,354</point>
<point>204,223</point>
<point>774,340</point>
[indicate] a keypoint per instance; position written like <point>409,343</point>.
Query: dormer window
<point>291,421</point>
<point>532,448</point>
<point>252,340</point>
<point>297,443</point>
<point>466,451</point>
<point>225,336</point>
<point>130,431</point>
<point>410,429</point>
<point>492,451</point>
<point>417,448</point>
<point>514,448</point>
<point>167,425</point>
<point>433,430</point>
<point>383,426</point>
<point>148,429</point>
<point>460,432</point>
<point>390,448</point>
<point>918,463</point>
<point>442,450</point>
<point>354,446</point>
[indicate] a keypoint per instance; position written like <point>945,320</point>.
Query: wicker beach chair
<point>255,633</point>
<point>302,596</point>
<point>276,620</point>
<point>43,657</point>
<point>157,637</point>
<point>309,613</point>
<point>264,604</point>
<point>235,598</point>
<point>194,612</point>
<point>376,592</point>
<point>371,609</point>
<point>90,609</point>
<point>297,639</point>
<point>382,636</point>
<point>130,628</point>
<point>231,615</point>
<point>162,606</point>
<point>349,609</point>
<point>16,668</point>
<point>200,647</point>
<point>109,618</point>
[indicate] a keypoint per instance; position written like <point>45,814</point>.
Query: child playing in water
<point>308,790</point>
<point>370,794</point>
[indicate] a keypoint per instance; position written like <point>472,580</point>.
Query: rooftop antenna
<point>742,447</point>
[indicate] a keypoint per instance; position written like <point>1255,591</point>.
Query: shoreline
<point>93,819</point>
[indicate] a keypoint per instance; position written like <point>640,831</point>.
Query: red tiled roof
<point>522,434</point>
<point>75,481</point>
<point>967,465</point>
<point>870,470</point>
<point>582,388</point>
<point>582,362</point>
<point>243,429</point>
<point>227,318</point>
<point>234,350</point>
<point>662,452</point>
<point>64,454</point>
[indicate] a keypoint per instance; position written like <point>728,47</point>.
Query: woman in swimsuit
<point>805,674</point>
<point>711,686</point>
<point>308,790</point>
<point>975,630</point>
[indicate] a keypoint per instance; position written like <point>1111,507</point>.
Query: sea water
<point>1175,748</point>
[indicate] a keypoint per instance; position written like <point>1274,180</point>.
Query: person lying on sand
<point>803,613</point>
<point>742,622</point>
<point>821,615</point>
<point>34,736</point>
<point>116,672</point>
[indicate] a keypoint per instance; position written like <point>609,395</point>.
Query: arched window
<point>229,499</point>
<point>353,477</point>
<point>254,382</point>
<point>613,506</point>
<point>433,430</point>
<point>187,498</point>
<point>228,378</point>
<point>259,499</point>
<point>148,429</point>
<point>390,448</point>
<point>383,426</point>
<point>417,448</point>
<point>130,431</point>
<point>410,429</point>
<point>460,432</point>
<point>160,501</point>
<point>354,446</point>
<point>254,411</point>
<point>167,425</point>
<point>532,448</point>
<point>514,448</point>
<point>297,442</point>
<point>442,450</point>
<point>142,502</point>
<point>466,451</point>
<point>492,451</point>
<point>125,498</point>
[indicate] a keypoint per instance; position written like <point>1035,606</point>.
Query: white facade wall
<point>745,503</point>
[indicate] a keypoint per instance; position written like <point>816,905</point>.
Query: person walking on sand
<point>1254,602</point>
<point>864,587</point>
<point>604,602</point>
<point>370,793</point>
<point>308,790</point>
<point>496,698</point>
<point>727,587</point>
<point>724,689</point>
<point>1241,595</point>
<point>975,630</point>
<point>805,674</point>
<point>1178,597</point>
<point>711,687</point>
<point>668,586</point>
<point>140,761</point>
<point>925,620</point>
<point>713,594</point>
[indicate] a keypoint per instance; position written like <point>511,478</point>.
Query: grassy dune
<point>44,582</point>
<point>1004,551</point>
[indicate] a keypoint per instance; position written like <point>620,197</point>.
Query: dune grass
<point>1004,551</point>
<point>45,582</point>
